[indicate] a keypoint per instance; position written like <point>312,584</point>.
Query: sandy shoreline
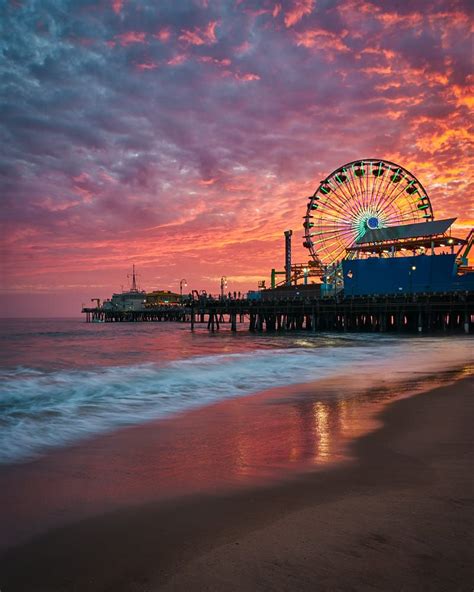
<point>400,517</point>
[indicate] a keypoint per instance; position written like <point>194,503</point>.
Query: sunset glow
<point>185,136</point>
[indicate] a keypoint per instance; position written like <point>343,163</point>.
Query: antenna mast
<point>134,280</point>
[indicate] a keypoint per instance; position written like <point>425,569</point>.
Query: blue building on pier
<point>432,267</point>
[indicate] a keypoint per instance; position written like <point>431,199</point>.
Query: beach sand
<point>396,513</point>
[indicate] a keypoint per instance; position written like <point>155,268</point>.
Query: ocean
<point>64,381</point>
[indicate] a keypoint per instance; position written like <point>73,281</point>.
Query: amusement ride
<point>364,208</point>
<point>360,196</point>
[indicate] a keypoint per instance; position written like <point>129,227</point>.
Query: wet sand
<point>396,513</point>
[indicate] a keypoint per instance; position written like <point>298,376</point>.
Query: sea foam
<point>40,410</point>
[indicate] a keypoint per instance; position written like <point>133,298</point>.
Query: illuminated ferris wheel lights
<point>358,197</point>
<point>378,169</point>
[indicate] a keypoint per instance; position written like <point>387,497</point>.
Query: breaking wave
<point>41,410</point>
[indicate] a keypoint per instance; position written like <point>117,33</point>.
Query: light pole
<point>223,285</point>
<point>182,283</point>
<point>410,273</point>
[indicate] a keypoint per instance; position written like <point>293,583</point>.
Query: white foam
<point>40,410</point>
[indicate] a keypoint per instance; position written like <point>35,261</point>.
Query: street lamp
<point>305,275</point>
<point>182,283</point>
<point>223,285</point>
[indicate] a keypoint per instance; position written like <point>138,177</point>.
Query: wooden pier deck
<point>451,312</point>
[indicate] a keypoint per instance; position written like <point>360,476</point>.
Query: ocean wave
<point>40,410</point>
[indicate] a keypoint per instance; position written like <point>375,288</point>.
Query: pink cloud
<point>205,36</point>
<point>147,66</point>
<point>177,59</point>
<point>246,77</point>
<point>243,48</point>
<point>211,60</point>
<point>207,181</point>
<point>51,205</point>
<point>83,186</point>
<point>130,37</point>
<point>163,34</point>
<point>321,39</point>
<point>299,9</point>
<point>117,6</point>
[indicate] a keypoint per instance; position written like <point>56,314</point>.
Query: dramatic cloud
<point>205,36</point>
<point>185,136</point>
<point>297,11</point>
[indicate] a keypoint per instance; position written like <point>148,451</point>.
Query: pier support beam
<point>252,322</point>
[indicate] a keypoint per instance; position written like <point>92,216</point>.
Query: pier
<point>405,273</point>
<point>452,312</point>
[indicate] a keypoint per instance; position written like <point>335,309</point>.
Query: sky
<point>185,135</point>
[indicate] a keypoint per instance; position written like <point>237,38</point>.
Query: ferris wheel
<point>360,196</point>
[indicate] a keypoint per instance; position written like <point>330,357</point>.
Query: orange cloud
<point>197,36</point>
<point>378,70</point>
<point>464,96</point>
<point>393,19</point>
<point>299,9</point>
<point>433,142</point>
<point>322,40</point>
